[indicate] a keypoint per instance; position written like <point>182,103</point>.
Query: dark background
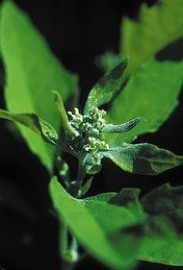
<point>77,32</point>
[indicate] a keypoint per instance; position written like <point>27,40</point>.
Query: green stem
<point>80,177</point>
<point>64,239</point>
<point>69,252</point>
<point>74,249</point>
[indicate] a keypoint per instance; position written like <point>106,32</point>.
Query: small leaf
<point>143,158</point>
<point>32,121</point>
<point>110,128</point>
<point>156,27</point>
<point>86,186</point>
<point>92,163</point>
<point>108,61</point>
<point>163,242</point>
<point>65,125</point>
<point>63,169</point>
<point>106,87</point>
<point>152,93</point>
<point>101,228</point>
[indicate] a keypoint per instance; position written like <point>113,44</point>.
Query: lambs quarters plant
<point>118,229</point>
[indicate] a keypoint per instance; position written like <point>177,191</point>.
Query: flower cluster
<point>86,142</point>
<point>88,129</point>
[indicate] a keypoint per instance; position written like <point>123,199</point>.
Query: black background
<point>77,31</point>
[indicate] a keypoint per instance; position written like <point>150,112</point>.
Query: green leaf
<point>106,87</point>
<point>156,27</point>
<point>65,125</point>
<point>108,60</point>
<point>101,228</point>
<point>143,158</point>
<point>32,121</point>
<point>110,128</point>
<point>110,221</point>
<point>32,72</point>
<point>163,234</point>
<point>91,163</point>
<point>151,93</point>
<point>86,186</point>
<point>103,197</point>
<point>128,197</point>
<point>164,231</point>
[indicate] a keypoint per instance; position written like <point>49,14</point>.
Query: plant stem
<point>64,239</point>
<point>74,249</point>
<point>69,252</point>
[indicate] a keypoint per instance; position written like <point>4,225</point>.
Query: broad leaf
<point>156,27</point>
<point>110,220</point>
<point>32,72</point>
<point>106,87</point>
<point>33,122</point>
<point>100,227</point>
<point>164,231</point>
<point>151,93</point>
<point>129,198</point>
<point>143,158</point>
<point>103,197</point>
